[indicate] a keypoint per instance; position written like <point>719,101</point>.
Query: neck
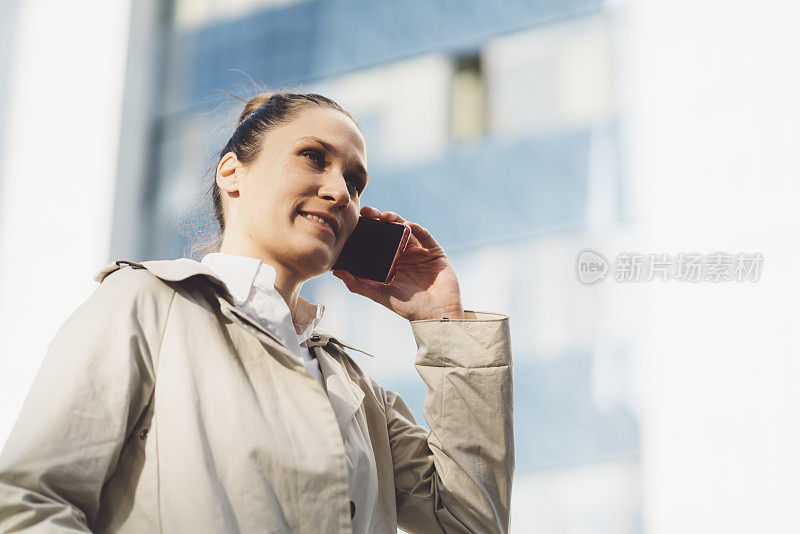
<point>287,284</point>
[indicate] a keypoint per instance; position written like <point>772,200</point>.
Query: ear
<point>228,173</point>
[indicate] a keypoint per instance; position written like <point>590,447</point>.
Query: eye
<point>314,155</point>
<point>355,184</point>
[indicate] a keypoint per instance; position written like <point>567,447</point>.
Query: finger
<point>392,217</point>
<point>369,211</point>
<point>423,235</point>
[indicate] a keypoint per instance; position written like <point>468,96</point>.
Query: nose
<point>334,188</point>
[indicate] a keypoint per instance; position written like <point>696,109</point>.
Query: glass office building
<point>495,125</point>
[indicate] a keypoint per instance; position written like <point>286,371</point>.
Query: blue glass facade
<point>478,192</point>
<point>317,39</point>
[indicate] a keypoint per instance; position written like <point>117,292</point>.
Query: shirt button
<point>352,509</point>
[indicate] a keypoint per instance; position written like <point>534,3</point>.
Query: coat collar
<point>183,268</point>
<point>170,270</point>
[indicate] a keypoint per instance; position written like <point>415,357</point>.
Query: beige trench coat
<point>160,408</point>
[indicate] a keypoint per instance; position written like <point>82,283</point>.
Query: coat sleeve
<point>94,382</point>
<point>457,477</point>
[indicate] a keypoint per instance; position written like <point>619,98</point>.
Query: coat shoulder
<point>129,292</point>
<point>159,274</point>
<point>128,304</point>
<point>130,280</point>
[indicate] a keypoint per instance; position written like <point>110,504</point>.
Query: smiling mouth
<point>320,222</point>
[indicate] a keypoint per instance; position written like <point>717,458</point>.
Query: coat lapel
<point>265,336</point>
<point>345,395</point>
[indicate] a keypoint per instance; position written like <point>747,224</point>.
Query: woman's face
<point>313,164</point>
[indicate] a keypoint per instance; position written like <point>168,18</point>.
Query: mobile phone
<point>372,250</point>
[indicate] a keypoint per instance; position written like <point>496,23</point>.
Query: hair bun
<point>254,103</point>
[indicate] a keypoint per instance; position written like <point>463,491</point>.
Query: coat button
<point>352,509</point>
<point>143,433</point>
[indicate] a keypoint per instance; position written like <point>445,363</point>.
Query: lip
<point>330,219</point>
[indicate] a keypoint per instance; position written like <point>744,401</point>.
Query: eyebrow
<point>359,167</point>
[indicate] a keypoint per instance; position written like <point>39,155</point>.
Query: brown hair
<point>261,113</point>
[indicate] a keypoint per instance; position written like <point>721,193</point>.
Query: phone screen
<point>371,249</point>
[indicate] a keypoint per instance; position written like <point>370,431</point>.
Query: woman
<point>188,396</point>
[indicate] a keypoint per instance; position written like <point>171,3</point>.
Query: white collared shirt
<point>252,284</point>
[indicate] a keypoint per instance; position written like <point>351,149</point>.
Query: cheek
<point>266,200</point>
<point>258,208</point>
<point>351,218</point>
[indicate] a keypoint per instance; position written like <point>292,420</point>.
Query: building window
<point>467,98</point>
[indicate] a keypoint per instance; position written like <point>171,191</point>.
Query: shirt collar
<point>303,337</point>
<point>238,272</point>
<point>241,273</point>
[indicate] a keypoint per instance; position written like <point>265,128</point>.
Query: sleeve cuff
<point>481,339</point>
